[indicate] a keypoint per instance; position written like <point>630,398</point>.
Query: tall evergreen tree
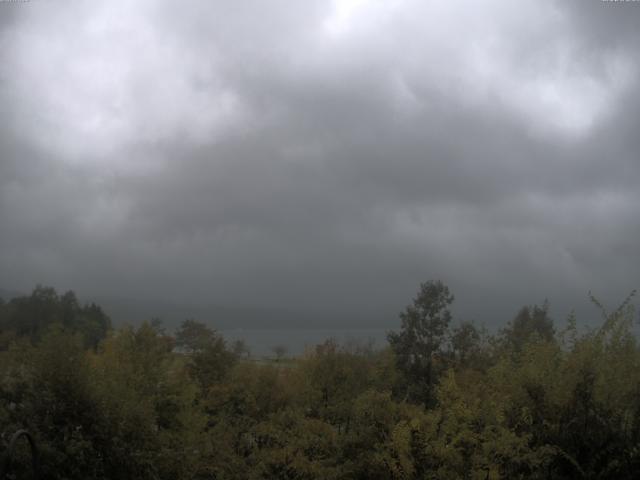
<point>424,327</point>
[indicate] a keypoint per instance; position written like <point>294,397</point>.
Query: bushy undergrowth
<point>139,403</point>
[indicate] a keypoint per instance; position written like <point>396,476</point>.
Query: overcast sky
<point>322,155</point>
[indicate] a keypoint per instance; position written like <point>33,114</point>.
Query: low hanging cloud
<point>323,155</point>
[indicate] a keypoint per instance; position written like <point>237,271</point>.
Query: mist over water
<point>261,341</point>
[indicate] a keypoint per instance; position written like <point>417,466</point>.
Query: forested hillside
<point>444,400</point>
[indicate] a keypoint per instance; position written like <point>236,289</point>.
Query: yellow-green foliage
<point>518,405</point>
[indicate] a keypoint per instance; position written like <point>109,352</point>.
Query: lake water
<point>261,341</point>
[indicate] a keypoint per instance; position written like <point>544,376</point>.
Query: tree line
<point>442,400</point>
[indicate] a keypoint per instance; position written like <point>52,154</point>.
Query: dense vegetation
<point>442,401</point>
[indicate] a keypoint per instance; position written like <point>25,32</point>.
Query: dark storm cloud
<point>322,155</point>
<point>604,24</point>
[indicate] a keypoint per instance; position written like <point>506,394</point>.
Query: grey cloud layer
<point>322,154</point>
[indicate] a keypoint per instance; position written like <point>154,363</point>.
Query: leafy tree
<point>279,351</point>
<point>465,344</point>
<point>193,336</point>
<point>331,378</point>
<point>530,323</point>
<point>31,316</point>
<point>378,444</point>
<point>49,394</point>
<point>209,358</point>
<point>424,328</point>
<point>149,427</point>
